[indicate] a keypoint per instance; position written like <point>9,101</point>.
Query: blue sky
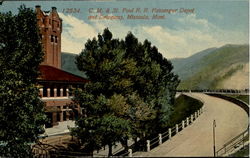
<point>213,23</point>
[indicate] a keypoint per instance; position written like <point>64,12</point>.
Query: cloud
<point>75,33</point>
<point>217,16</point>
<point>75,27</point>
<point>190,21</point>
<point>191,35</point>
<point>118,29</point>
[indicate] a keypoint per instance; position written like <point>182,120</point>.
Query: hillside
<point>68,64</point>
<point>226,67</point>
<point>215,68</point>
<point>185,67</point>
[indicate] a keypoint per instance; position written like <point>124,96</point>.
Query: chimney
<point>38,7</point>
<point>53,8</point>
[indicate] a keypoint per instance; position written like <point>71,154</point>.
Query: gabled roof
<point>49,73</point>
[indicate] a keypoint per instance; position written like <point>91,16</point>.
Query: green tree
<point>130,84</point>
<point>102,60</point>
<point>155,81</point>
<point>21,111</point>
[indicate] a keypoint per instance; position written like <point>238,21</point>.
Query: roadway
<point>197,139</point>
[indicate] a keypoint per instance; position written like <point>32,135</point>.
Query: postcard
<point>115,75</point>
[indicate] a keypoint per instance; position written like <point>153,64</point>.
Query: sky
<point>190,26</point>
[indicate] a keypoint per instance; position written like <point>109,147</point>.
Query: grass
<point>184,106</point>
<point>244,98</point>
<point>242,152</point>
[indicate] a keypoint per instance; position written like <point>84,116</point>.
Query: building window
<point>56,39</point>
<point>50,21</point>
<point>58,94</point>
<point>58,117</point>
<point>52,92</point>
<point>64,91</point>
<point>52,38</point>
<point>45,92</point>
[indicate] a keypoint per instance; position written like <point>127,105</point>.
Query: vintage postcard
<point>129,78</point>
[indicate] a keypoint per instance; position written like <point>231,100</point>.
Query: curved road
<point>197,139</point>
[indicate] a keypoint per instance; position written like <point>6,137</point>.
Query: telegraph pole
<point>214,125</point>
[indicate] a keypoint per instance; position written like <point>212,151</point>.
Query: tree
<point>131,89</point>
<point>155,83</point>
<point>103,62</point>
<point>21,112</point>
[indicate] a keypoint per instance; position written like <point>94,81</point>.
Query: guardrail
<point>240,140</point>
<point>167,135</point>
<point>162,137</point>
<point>224,91</point>
<point>234,144</point>
<point>238,102</point>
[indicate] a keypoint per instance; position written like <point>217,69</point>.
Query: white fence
<point>235,144</point>
<point>162,137</point>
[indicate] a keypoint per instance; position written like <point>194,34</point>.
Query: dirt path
<point>197,139</point>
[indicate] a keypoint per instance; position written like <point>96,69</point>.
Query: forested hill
<point>68,64</point>
<point>224,67</point>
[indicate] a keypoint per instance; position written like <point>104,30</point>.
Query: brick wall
<point>50,26</point>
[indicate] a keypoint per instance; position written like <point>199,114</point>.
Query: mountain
<point>185,67</point>
<point>68,64</point>
<point>215,68</point>
<point>226,67</point>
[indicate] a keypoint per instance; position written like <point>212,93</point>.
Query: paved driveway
<point>197,139</point>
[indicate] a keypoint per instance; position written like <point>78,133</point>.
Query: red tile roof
<point>49,73</point>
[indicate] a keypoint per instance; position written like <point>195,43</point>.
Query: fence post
<point>177,128</point>
<point>187,121</point>
<point>195,115</point>
<point>130,153</point>
<point>183,124</point>
<point>192,117</point>
<point>243,140</point>
<point>160,139</point>
<point>148,145</point>
<point>225,149</point>
<point>169,133</point>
